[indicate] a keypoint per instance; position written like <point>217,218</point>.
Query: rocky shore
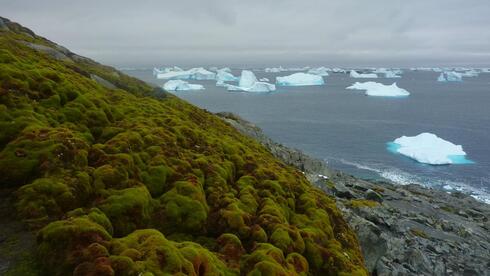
<point>403,230</point>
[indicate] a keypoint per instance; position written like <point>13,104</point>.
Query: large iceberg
<point>180,85</point>
<point>300,79</point>
<point>320,71</point>
<point>379,89</point>
<point>450,76</point>
<point>354,74</point>
<point>191,74</point>
<point>430,149</point>
<point>249,83</point>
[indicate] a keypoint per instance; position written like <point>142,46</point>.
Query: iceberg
<point>450,76</point>
<point>274,69</point>
<point>470,73</point>
<point>223,76</point>
<point>191,74</point>
<point>300,79</point>
<point>379,89</point>
<point>391,75</point>
<point>180,85</point>
<point>249,83</point>
<point>264,79</point>
<point>339,70</point>
<point>429,149</point>
<point>354,74</point>
<point>320,71</point>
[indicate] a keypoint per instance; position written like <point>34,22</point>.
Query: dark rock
<point>3,26</point>
<point>372,195</point>
<point>103,82</point>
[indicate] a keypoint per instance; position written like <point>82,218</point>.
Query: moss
<point>62,243</point>
<point>419,233</point>
<point>128,209</point>
<point>360,203</point>
<point>102,164</point>
<point>155,179</point>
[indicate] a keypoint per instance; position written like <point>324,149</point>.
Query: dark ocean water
<point>350,130</point>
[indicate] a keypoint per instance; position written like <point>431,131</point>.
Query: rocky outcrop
<point>403,230</point>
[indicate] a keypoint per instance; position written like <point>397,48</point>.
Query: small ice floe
<point>379,89</point>
<point>354,74</point>
<point>429,149</point>
<point>249,83</point>
<point>180,85</point>
<point>300,79</point>
<point>450,76</point>
<point>320,71</point>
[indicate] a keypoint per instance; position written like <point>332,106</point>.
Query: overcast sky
<point>264,32</point>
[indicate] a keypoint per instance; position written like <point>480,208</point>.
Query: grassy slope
<point>131,180</point>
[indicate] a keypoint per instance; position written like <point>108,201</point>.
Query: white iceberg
<point>391,75</point>
<point>450,76</point>
<point>222,76</point>
<point>300,79</point>
<point>354,74</point>
<point>379,89</point>
<point>429,149</point>
<point>191,74</point>
<point>320,71</point>
<point>339,70</point>
<point>264,79</point>
<point>180,85</point>
<point>470,73</point>
<point>249,83</point>
<point>158,71</point>
<point>274,69</point>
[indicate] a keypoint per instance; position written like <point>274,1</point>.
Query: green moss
<point>102,164</point>
<point>419,233</point>
<point>359,203</point>
<point>128,209</point>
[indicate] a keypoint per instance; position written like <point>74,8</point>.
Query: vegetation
<point>134,181</point>
<point>360,203</point>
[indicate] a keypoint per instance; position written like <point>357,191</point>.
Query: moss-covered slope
<point>120,178</point>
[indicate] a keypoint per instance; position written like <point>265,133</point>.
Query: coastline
<point>402,229</point>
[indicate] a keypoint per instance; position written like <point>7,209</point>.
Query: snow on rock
<point>429,149</point>
<point>450,76</point>
<point>354,74</point>
<point>300,79</point>
<point>191,74</point>
<point>249,83</point>
<point>320,71</point>
<point>180,85</point>
<point>379,89</point>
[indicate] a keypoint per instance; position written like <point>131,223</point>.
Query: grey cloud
<point>267,32</point>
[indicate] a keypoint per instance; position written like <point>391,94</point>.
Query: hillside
<point>115,177</point>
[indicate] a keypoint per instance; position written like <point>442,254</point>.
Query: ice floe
<point>300,79</point>
<point>249,83</point>
<point>354,74</point>
<point>379,89</point>
<point>191,74</point>
<point>429,149</point>
<point>320,71</point>
<point>450,76</point>
<point>180,85</point>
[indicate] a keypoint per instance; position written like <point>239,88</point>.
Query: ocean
<point>350,131</point>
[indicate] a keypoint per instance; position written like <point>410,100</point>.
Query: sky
<point>147,33</point>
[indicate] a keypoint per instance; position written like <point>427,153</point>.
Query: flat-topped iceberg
<point>354,74</point>
<point>379,89</point>
<point>320,71</point>
<point>300,79</point>
<point>429,149</point>
<point>450,76</point>
<point>180,85</point>
<point>191,74</point>
<point>249,83</point>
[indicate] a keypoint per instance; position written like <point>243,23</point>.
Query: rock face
<point>403,230</point>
